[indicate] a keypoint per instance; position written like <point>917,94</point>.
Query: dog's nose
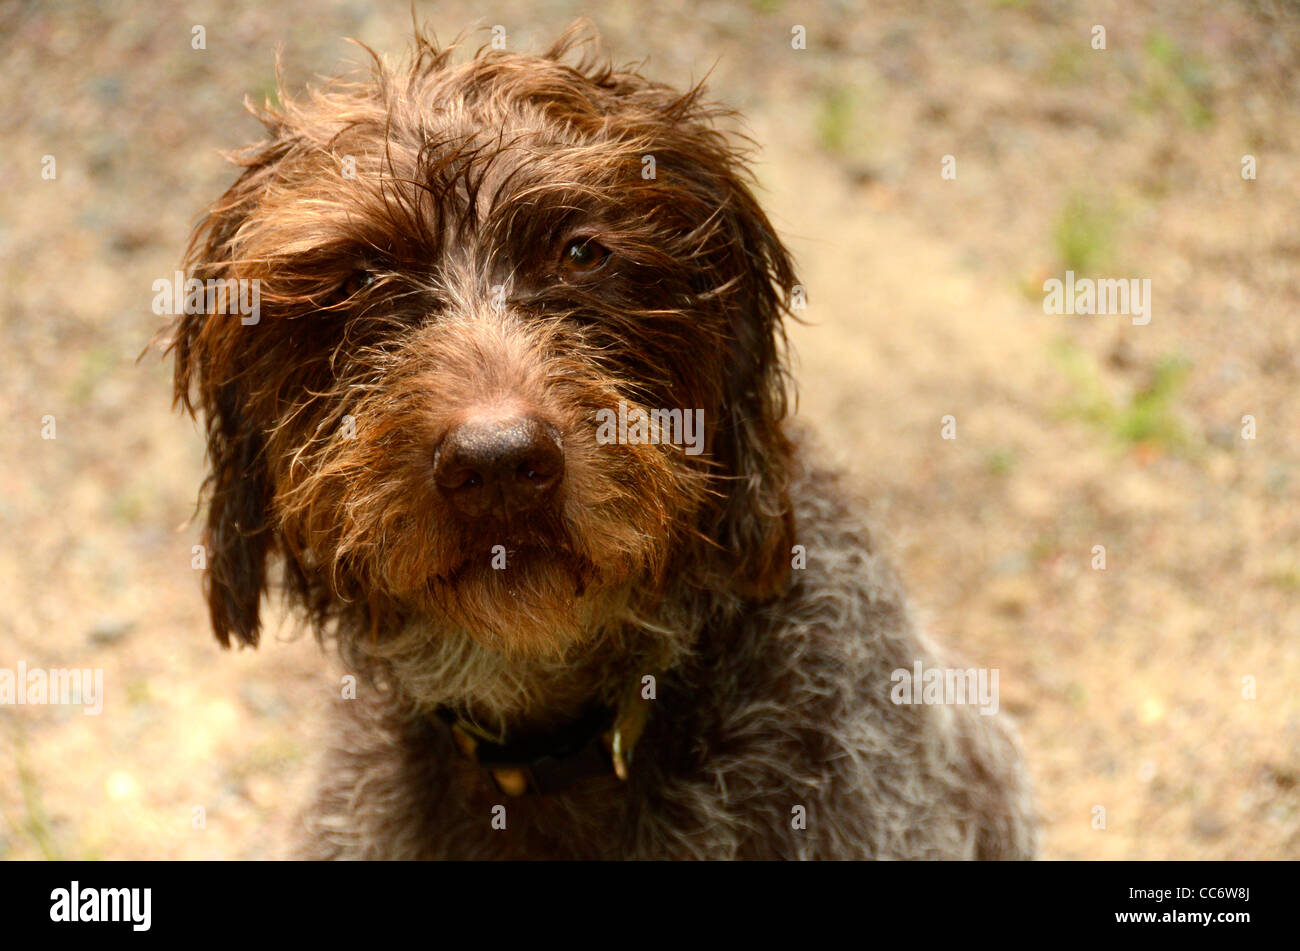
<point>499,464</point>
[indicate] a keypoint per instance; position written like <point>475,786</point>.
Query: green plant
<point>1084,234</point>
<point>1176,79</point>
<point>835,120</point>
<point>1148,417</point>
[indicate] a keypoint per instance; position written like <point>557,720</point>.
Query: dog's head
<point>495,301</point>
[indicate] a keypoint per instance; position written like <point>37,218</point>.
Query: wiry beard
<point>538,606</point>
<point>431,662</point>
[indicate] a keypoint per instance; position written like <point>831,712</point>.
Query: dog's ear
<point>211,363</point>
<point>238,536</point>
<point>756,525</point>
<point>745,276</point>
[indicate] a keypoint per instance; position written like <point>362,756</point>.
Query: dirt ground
<point>1162,689</point>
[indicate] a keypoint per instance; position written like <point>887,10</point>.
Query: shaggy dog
<point>510,419</point>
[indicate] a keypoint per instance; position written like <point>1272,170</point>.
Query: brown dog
<point>511,418</point>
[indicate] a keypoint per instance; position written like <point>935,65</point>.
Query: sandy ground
<point>1161,689</point>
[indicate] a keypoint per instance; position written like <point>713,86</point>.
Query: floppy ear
<point>238,537</point>
<point>209,352</point>
<point>744,273</point>
<point>756,525</point>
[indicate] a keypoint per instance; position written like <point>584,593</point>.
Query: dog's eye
<point>356,281</point>
<point>583,256</point>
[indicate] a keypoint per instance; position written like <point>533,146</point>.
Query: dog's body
<point>779,712</point>
<point>463,268</point>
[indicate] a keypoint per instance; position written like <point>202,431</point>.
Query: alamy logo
<point>634,426</point>
<point>73,686</point>
<point>946,685</point>
<point>1101,297</point>
<point>103,904</point>
<point>179,295</point>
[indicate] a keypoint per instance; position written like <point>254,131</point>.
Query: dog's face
<point>469,275</point>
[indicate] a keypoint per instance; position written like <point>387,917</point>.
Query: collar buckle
<point>598,742</point>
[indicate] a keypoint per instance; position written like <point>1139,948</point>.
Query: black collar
<point>597,743</point>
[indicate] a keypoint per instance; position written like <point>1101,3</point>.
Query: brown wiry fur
<point>406,229</point>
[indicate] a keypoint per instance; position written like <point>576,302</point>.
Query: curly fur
<point>405,227</point>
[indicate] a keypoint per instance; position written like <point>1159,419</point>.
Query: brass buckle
<point>632,716</point>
